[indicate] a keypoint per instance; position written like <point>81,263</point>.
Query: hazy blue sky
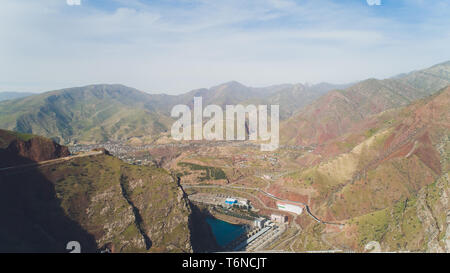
<point>174,46</point>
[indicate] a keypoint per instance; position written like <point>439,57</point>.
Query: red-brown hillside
<point>338,111</point>
<point>16,148</point>
<point>408,159</point>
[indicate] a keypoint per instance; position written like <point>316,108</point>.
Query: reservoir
<point>224,232</point>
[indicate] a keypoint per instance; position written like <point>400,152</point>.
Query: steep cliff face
<point>122,207</point>
<point>131,208</point>
<point>99,201</point>
<point>202,237</point>
<point>17,148</point>
<point>38,149</point>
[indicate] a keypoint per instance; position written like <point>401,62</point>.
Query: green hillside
<point>99,113</point>
<point>89,114</point>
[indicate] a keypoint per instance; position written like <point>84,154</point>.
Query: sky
<point>173,46</point>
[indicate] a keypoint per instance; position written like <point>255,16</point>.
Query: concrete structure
<point>265,238</point>
<point>289,207</point>
<point>251,239</point>
<point>278,218</point>
<point>259,223</point>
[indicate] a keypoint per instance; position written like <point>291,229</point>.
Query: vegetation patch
<point>209,173</point>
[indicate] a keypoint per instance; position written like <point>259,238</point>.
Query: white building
<point>289,207</point>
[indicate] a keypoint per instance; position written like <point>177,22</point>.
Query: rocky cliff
<point>17,148</point>
<point>98,201</point>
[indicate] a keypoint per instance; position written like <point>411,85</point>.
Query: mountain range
<point>336,112</point>
<point>311,114</point>
<point>98,113</point>
<point>13,95</point>
<point>379,166</point>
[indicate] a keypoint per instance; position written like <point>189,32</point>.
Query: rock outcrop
<point>97,200</point>
<point>16,149</point>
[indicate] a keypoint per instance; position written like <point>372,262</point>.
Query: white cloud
<point>374,2</point>
<point>48,45</point>
<point>73,2</point>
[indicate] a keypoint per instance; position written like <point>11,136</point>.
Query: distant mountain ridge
<point>91,113</point>
<point>97,113</point>
<point>334,113</point>
<point>311,114</point>
<point>290,97</point>
<point>14,95</point>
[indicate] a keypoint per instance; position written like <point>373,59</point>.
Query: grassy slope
<point>92,113</point>
<point>414,224</point>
